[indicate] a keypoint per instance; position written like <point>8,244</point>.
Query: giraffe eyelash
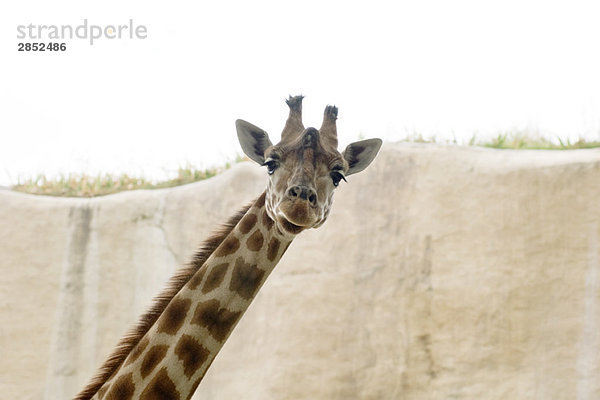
<point>271,165</point>
<point>336,177</point>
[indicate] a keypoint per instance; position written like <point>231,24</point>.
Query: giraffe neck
<point>171,359</point>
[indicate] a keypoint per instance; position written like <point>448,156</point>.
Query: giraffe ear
<point>360,154</point>
<point>254,141</point>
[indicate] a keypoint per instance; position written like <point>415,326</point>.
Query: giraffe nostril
<point>304,193</point>
<point>294,191</point>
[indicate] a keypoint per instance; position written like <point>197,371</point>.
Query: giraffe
<point>166,355</point>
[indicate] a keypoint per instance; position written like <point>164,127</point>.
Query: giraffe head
<point>305,167</point>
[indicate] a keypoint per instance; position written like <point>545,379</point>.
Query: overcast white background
<point>446,68</point>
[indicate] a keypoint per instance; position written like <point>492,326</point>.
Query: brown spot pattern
<point>192,353</point>
<point>260,201</point>
<point>150,317</point>
<point>247,223</point>
<point>122,389</point>
<point>161,387</point>
<point>229,246</point>
<point>197,278</point>
<point>273,249</point>
<point>137,350</point>
<point>152,358</point>
<point>218,321</point>
<point>201,376</point>
<point>266,220</point>
<point>245,279</point>
<point>174,315</point>
<point>255,241</point>
<point>215,277</point>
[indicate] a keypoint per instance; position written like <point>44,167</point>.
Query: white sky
<point>444,68</point>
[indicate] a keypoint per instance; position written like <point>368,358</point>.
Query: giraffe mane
<point>160,302</point>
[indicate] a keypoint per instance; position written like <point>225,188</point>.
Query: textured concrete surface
<point>442,273</point>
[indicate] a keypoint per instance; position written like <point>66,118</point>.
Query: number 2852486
<point>50,46</point>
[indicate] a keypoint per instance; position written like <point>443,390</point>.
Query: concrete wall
<point>442,273</point>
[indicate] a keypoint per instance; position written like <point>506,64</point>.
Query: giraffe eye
<point>271,166</point>
<point>336,177</point>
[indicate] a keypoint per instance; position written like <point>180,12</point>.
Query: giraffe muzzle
<point>303,192</point>
<point>299,207</point>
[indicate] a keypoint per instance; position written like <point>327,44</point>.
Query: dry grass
<point>79,185</point>
<point>522,141</point>
<point>514,140</point>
